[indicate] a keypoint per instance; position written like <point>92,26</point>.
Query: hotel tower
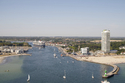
<point>105,42</point>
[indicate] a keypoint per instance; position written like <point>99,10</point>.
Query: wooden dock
<point>114,71</point>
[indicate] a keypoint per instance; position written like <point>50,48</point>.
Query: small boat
<point>61,55</point>
<point>92,76</point>
<point>105,81</point>
<point>54,55</point>
<point>28,78</point>
<point>64,74</point>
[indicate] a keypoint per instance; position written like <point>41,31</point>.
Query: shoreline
<point>106,60</point>
<point>2,57</point>
<point>101,60</point>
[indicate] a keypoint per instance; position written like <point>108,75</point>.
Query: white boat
<point>54,55</point>
<point>28,78</point>
<point>64,74</point>
<point>92,76</point>
<point>105,81</point>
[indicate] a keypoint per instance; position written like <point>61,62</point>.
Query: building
<point>122,47</point>
<point>105,41</point>
<point>85,51</point>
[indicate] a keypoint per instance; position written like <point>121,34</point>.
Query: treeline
<point>14,44</point>
<point>97,46</point>
<point>116,45</point>
<point>92,47</point>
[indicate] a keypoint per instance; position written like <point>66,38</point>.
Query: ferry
<point>39,43</point>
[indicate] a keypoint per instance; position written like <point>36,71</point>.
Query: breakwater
<point>114,71</point>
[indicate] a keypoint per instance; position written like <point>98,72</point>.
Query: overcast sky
<point>62,17</point>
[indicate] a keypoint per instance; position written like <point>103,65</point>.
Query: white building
<point>85,51</point>
<point>122,47</point>
<point>19,51</point>
<point>105,42</point>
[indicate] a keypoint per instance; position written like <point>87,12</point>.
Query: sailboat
<point>92,76</point>
<point>64,74</point>
<point>54,54</point>
<point>28,78</point>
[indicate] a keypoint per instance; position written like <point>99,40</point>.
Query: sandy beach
<point>103,60</point>
<point>2,57</point>
<point>114,59</point>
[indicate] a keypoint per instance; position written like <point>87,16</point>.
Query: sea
<point>43,67</point>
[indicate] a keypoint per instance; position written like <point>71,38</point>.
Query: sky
<point>84,18</point>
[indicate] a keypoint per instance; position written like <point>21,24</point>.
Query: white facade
<point>122,47</point>
<point>85,51</point>
<point>105,42</point>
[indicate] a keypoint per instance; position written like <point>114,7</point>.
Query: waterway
<point>43,67</point>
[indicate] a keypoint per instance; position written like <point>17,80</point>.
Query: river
<point>43,67</point>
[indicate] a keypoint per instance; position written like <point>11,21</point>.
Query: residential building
<point>105,41</point>
<point>85,51</point>
<point>122,47</point>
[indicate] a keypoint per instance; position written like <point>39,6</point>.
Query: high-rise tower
<point>105,43</point>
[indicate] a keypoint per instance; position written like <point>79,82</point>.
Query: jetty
<point>114,71</point>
